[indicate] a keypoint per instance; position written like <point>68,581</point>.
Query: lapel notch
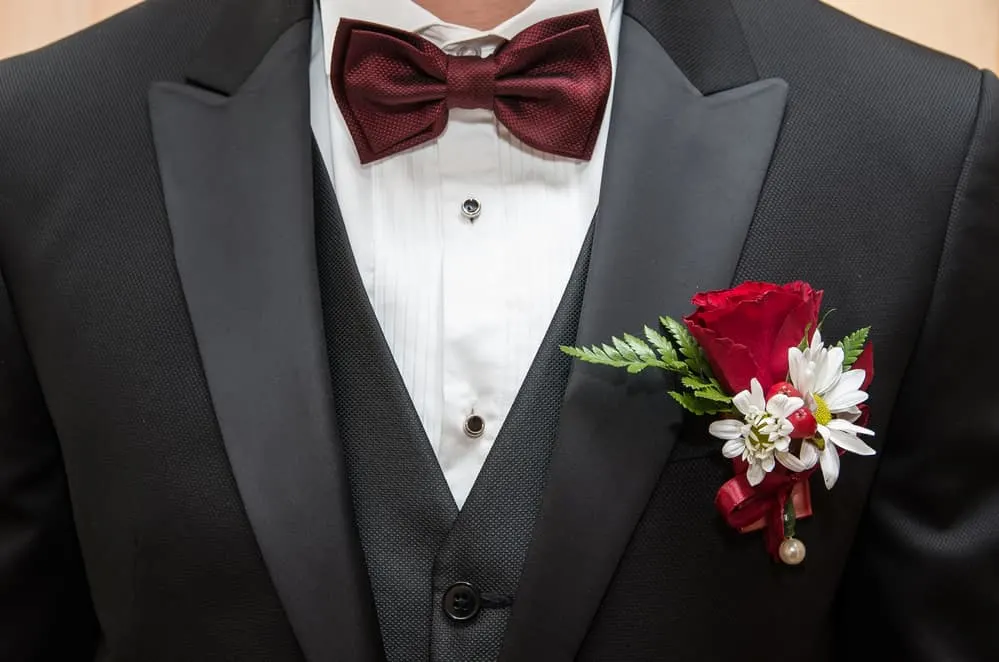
<point>682,176</point>
<point>234,150</point>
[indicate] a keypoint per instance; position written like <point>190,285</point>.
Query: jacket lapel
<point>682,176</point>
<point>234,151</point>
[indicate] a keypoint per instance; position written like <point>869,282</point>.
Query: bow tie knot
<point>548,85</point>
<point>471,81</point>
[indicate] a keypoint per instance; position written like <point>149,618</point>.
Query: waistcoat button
<point>462,602</point>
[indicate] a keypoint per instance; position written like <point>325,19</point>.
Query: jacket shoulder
<point>881,101</point>
<point>64,104</point>
<point>828,54</point>
<point>143,39</point>
<point>86,77</point>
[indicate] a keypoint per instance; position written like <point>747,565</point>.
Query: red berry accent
<point>783,387</point>
<point>804,424</point>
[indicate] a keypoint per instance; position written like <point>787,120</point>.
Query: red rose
<point>865,362</point>
<point>745,332</point>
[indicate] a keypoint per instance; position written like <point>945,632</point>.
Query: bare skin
<point>478,14</point>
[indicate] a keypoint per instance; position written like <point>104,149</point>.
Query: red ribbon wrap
<point>747,508</point>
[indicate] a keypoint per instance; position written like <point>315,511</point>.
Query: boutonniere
<point>785,404</point>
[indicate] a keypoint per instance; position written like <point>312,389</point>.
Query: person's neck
<point>478,14</point>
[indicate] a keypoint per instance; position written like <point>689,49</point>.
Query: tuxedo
<point>208,455</point>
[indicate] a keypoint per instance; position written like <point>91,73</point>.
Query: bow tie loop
<point>471,81</point>
<point>549,85</point>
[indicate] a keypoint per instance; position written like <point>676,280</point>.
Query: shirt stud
<point>471,208</point>
<point>474,426</point>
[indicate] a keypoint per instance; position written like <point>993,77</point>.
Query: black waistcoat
<point>416,543</point>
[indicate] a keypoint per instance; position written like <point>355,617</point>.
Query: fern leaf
<point>853,346</point>
<point>705,389</point>
<point>666,351</point>
<point>626,352</point>
<point>699,406</point>
<point>689,348</point>
<point>594,355</point>
<point>641,349</point>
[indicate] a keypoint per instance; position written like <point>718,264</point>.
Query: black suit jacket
<point>171,484</point>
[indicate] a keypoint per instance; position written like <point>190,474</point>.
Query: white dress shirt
<point>464,305</point>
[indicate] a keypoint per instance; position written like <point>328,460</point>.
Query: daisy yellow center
<point>822,414</point>
<point>759,440</point>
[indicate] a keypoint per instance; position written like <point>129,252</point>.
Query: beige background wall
<point>966,28</point>
<point>28,24</point>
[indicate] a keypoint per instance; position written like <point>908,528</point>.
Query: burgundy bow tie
<point>548,85</point>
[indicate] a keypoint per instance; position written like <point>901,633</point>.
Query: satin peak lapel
<point>236,167</point>
<point>682,176</point>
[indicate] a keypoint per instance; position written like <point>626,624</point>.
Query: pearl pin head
<point>792,551</point>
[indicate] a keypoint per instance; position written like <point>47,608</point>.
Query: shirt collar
<point>407,15</point>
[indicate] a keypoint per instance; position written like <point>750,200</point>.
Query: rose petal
<point>865,415</point>
<point>731,363</point>
<point>807,293</point>
<point>865,362</point>
<point>755,324</point>
<point>745,331</point>
<point>741,292</point>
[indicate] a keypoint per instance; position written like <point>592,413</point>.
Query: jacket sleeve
<point>923,583</point>
<point>45,606</point>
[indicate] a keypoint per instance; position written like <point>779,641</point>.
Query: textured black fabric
<point>683,174</point>
<point>402,504</point>
<point>927,556</point>
<point>882,191</point>
<point>416,543</point>
<point>41,556</point>
<point>690,29</point>
<point>231,51</point>
<point>174,570</point>
<point>491,537</point>
<point>857,202</point>
<point>244,247</point>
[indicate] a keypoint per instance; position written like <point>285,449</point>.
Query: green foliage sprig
<point>676,352</point>
<point>853,346</point>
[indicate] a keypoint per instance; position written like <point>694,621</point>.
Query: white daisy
<point>763,436</point>
<point>832,396</point>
